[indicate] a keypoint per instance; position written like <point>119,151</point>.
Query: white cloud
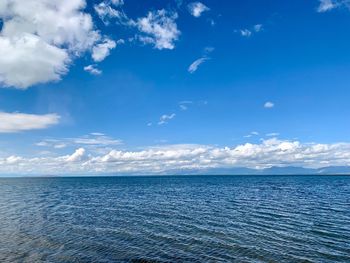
<point>194,66</point>
<point>97,134</point>
<point>92,140</point>
<point>251,134</point>
<point>159,28</point>
<point>184,104</point>
<point>272,134</point>
<point>165,118</point>
<point>106,12</point>
<point>16,122</point>
<point>27,60</point>
<point>60,146</point>
<point>102,50</point>
<point>92,69</point>
<point>100,140</point>
<point>197,8</point>
<point>40,38</point>
<point>169,158</point>
<point>77,156</point>
<point>269,105</point>
<point>248,32</point>
<point>183,107</point>
<point>327,5</point>
<point>258,27</point>
<point>208,50</point>
<point>117,2</point>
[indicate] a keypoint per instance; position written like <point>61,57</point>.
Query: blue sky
<point>173,82</point>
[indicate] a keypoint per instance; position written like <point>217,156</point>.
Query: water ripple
<point>175,219</point>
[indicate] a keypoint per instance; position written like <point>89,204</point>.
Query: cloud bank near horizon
<point>177,158</point>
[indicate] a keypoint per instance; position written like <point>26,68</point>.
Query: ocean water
<point>175,219</point>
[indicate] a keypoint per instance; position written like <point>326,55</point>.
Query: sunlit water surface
<point>175,219</point>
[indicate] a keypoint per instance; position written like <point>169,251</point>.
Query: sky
<point>164,86</point>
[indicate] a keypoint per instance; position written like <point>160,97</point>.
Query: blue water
<point>175,219</point>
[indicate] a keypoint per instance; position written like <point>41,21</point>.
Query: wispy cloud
<point>251,134</point>
<point>328,5</point>
<point>197,8</point>
<point>166,118</point>
<point>272,134</point>
<point>91,140</point>
<point>93,70</point>
<point>184,104</point>
<point>258,27</point>
<point>117,2</point>
<point>269,105</point>
<point>194,66</point>
<point>17,122</point>
<point>247,32</point>
<point>106,12</point>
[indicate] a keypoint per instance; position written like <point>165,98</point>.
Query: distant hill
<point>334,170</point>
<point>288,170</point>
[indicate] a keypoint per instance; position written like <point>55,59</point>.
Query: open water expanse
<point>175,219</point>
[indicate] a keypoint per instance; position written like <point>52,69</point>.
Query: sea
<point>175,219</point>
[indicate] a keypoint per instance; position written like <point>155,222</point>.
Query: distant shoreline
<point>166,175</point>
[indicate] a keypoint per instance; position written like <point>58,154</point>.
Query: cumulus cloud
<point>93,70</point>
<point>17,122</point>
<point>39,39</point>
<point>27,60</point>
<point>269,105</point>
<point>102,50</point>
<point>166,118</point>
<point>169,158</point>
<point>77,156</point>
<point>197,8</point>
<point>159,28</point>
